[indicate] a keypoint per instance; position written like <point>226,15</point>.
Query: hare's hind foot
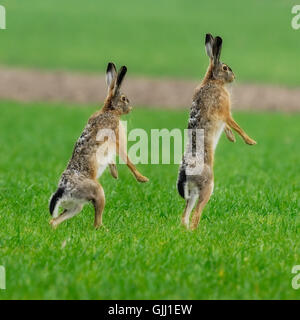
<point>67,214</point>
<point>184,223</point>
<point>190,203</point>
<point>54,221</point>
<point>203,199</point>
<point>98,200</point>
<point>194,224</point>
<point>102,226</point>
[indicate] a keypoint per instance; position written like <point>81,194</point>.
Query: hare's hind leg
<point>91,190</point>
<point>67,214</point>
<point>203,199</point>
<point>98,203</point>
<point>190,203</point>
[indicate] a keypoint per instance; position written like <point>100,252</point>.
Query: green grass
<point>157,38</point>
<point>245,247</point>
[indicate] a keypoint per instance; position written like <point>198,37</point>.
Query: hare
<point>210,111</point>
<point>92,154</point>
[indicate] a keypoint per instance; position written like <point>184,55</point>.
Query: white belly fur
<point>104,160</point>
<point>218,132</point>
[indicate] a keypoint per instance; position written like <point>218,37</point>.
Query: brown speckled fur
<point>78,183</point>
<point>211,112</point>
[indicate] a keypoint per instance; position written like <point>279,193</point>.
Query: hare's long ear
<point>217,47</point>
<point>120,77</point>
<point>209,41</point>
<point>111,73</point>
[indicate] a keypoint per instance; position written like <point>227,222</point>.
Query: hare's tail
<point>181,182</point>
<point>54,201</point>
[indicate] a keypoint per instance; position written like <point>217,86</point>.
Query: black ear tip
<point>123,71</point>
<point>218,40</point>
<point>208,37</point>
<point>109,66</point>
<point>121,75</point>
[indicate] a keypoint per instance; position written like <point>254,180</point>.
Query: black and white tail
<point>53,205</point>
<point>181,181</point>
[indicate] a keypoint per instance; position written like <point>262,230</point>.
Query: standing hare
<point>210,112</point>
<point>92,154</point>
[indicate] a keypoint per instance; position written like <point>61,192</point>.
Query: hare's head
<point>116,101</point>
<point>218,70</point>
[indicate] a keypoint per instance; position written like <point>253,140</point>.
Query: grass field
<point>245,248</point>
<point>157,38</point>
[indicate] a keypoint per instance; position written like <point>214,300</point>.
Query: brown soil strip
<point>60,86</point>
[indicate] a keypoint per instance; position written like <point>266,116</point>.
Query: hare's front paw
<point>250,141</point>
<point>231,137</point>
<point>141,178</point>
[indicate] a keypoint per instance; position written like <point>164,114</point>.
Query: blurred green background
<point>156,38</point>
<point>248,239</point>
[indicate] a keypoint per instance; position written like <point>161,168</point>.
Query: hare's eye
<point>123,98</point>
<point>225,68</point>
